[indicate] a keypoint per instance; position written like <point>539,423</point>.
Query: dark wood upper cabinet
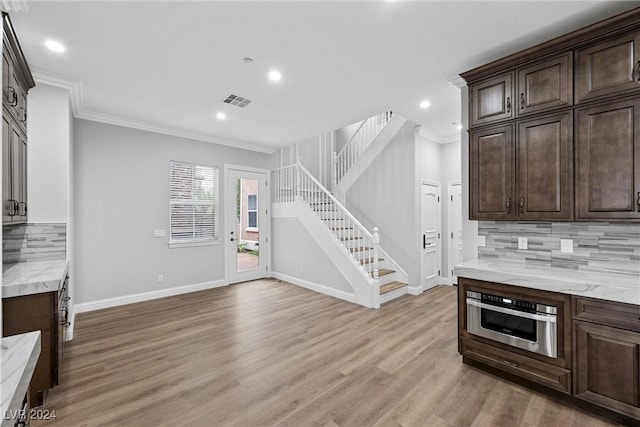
<point>492,100</point>
<point>608,161</point>
<point>544,168</point>
<point>609,67</point>
<point>545,85</point>
<point>573,104</point>
<point>491,170</point>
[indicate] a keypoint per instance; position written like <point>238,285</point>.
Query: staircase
<point>375,277</point>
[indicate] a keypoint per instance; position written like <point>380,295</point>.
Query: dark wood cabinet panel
<point>491,171</point>
<point>608,67</point>
<point>492,100</point>
<point>608,161</point>
<point>544,85</point>
<point>34,313</point>
<point>615,314</point>
<point>544,167</point>
<point>607,367</point>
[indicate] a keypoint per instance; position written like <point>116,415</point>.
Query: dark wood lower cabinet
<point>599,367</point>
<point>37,312</point>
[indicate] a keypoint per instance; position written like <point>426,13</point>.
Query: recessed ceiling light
<point>221,116</point>
<point>275,76</point>
<point>425,104</point>
<point>54,46</point>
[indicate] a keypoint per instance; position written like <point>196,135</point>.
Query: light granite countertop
<point>18,354</point>
<point>602,285</point>
<point>33,277</point>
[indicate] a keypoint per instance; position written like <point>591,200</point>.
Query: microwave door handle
<point>523,314</point>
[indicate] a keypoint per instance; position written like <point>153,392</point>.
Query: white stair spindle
<point>375,239</point>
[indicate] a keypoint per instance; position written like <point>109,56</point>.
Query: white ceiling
<point>168,65</point>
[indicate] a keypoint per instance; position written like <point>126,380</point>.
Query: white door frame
<point>265,249</point>
<point>450,263</point>
<point>439,220</point>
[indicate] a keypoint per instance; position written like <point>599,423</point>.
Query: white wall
<point>450,159</point>
<point>296,254</point>
<point>121,194</point>
<point>469,228</point>
<point>384,196</point>
<point>48,154</point>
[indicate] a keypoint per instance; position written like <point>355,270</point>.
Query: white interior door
<point>430,226</point>
<point>246,225</point>
<point>455,227</point>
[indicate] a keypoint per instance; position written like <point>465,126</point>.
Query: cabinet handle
<point>13,207</point>
<point>638,201</point>
<point>24,116</point>
<point>639,71</point>
<point>13,101</point>
<point>508,104</point>
<point>25,208</point>
<point>67,298</point>
<point>522,101</point>
<point>521,204</point>
<point>66,324</point>
<point>508,204</point>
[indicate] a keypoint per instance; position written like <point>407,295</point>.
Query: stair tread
<point>384,272</point>
<point>359,249</point>
<point>351,238</point>
<point>369,261</point>
<point>392,286</point>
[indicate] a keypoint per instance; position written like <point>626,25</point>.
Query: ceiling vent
<point>237,100</point>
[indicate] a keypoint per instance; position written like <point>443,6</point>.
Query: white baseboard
<point>414,290</point>
<point>145,296</point>
<point>343,295</point>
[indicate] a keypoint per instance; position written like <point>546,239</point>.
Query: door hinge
<point>438,198</point>
<point>438,272</point>
<point>452,272</point>
<point>452,234</point>
<point>452,197</point>
<point>438,235</point>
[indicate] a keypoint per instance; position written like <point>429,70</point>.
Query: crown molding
<point>457,81</point>
<point>424,133</point>
<point>76,98</point>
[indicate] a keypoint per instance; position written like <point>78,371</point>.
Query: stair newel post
<point>375,239</point>
<point>298,198</point>
<point>334,158</point>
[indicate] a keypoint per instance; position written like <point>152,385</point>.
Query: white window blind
<point>193,193</point>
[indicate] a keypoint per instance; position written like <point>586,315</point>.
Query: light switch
<point>482,241</point>
<point>523,243</point>
<point>159,233</point>
<point>566,246</point>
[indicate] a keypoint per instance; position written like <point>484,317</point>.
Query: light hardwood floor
<point>270,353</point>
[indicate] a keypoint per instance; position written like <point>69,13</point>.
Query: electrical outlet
<point>523,243</point>
<point>159,233</point>
<point>160,278</point>
<point>566,246</point>
<point>482,241</point>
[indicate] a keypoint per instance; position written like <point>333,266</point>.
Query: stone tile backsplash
<point>612,247</point>
<point>33,242</point>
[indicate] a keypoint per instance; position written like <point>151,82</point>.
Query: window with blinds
<point>193,211</point>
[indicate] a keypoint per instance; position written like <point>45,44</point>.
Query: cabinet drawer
<point>615,314</point>
<point>533,370</point>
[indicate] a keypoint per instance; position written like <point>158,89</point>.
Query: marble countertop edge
<point>602,285</point>
<point>33,277</point>
<point>19,355</point>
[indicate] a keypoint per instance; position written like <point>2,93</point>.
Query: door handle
<point>232,239</point>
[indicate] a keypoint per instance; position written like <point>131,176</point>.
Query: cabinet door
<point>545,85</point>
<point>491,100</point>
<point>607,368</point>
<point>7,203</point>
<point>609,67</point>
<point>608,161</point>
<point>491,173</point>
<point>545,168</point>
